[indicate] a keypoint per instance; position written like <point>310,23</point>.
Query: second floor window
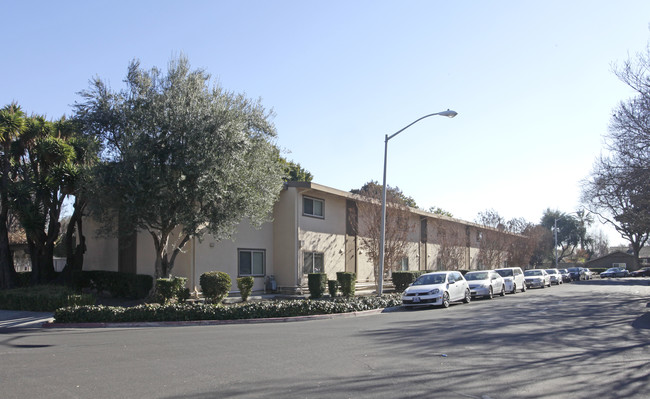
<point>312,207</point>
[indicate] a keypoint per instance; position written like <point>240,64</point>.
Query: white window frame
<point>313,215</point>
<point>404,264</point>
<point>252,251</point>
<point>313,254</point>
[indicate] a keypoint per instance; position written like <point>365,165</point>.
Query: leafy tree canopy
<point>373,189</point>
<point>294,172</point>
<point>183,156</point>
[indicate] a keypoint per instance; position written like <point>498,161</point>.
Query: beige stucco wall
<point>212,255</point>
<point>325,235</point>
<point>285,238</point>
<point>101,253</point>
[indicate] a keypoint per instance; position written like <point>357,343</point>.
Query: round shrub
<point>169,288</point>
<point>245,285</point>
<point>215,285</point>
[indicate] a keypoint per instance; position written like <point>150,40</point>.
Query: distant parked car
<point>438,288</point>
<point>537,278</point>
<point>643,272</point>
<point>556,277</point>
<point>615,272</point>
<point>485,283</point>
<point>589,274</point>
<point>566,276</point>
<point>577,273</point>
<point>514,279</point>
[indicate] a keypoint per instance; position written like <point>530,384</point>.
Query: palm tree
<point>12,125</point>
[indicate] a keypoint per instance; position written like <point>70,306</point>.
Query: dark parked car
<point>578,273</point>
<point>643,272</point>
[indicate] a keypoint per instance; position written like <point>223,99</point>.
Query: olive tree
<point>182,157</point>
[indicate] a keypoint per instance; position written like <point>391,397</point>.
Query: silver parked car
<point>485,283</point>
<point>555,275</point>
<point>615,272</point>
<point>438,288</point>
<point>514,279</point>
<point>537,278</point>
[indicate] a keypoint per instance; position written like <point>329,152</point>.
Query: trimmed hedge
<point>248,310</point>
<point>402,279</point>
<point>172,288</point>
<point>43,298</point>
<point>333,287</point>
<point>317,283</point>
<point>347,282</point>
<point>118,284</point>
<point>245,285</point>
<point>215,285</point>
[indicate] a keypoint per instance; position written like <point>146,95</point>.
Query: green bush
<point>171,288</point>
<point>245,285</point>
<point>23,279</point>
<point>347,282</point>
<point>317,283</point>
<point>248,310</point>
<point>402,279</point>
<point>333,287</point>
<point>117,284</point>
<point>215,285</point>
<point>42,298</point>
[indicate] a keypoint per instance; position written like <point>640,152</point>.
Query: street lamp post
<point>380,284</point>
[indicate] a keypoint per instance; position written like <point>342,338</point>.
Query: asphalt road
<point>583,340</point>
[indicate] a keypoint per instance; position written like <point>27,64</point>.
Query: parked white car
<point>485,283</point>
<point>514,279</point>
<point>537,278</point>
<point>555,275</point>
<point>438,288</point>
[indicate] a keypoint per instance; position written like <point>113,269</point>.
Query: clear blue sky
<point>531,81</point>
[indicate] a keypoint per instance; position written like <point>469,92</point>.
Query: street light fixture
<point>380,285</point>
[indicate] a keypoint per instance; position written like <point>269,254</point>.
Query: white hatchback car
<point>537,278</point>
<point>485,283</point>
<point>514,279</point>
<point>437,288</point>
<point>556,276</point>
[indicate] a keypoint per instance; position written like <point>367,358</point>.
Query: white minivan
<point>514,279</point>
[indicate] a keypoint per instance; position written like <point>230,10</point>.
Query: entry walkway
<point>23,319</point>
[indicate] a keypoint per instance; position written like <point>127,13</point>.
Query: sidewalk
<point>23,319</point>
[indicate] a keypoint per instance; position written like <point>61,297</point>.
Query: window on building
<point>313,207</point>
<point>251,262</point>
<point>404,264</point>
<point>313,263</point>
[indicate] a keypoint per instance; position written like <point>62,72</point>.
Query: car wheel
<point>445,300</point>
<point>543,285</point>
<point>514,288</point>
<point>524,288</point>
<point>503,290</point>
<point>468,297</point>
<point>490,295</point>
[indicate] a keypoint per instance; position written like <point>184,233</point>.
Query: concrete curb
<point>216,322</point>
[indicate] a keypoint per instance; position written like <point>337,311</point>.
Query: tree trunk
<point>7,270</point>
<point>74,251</point>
